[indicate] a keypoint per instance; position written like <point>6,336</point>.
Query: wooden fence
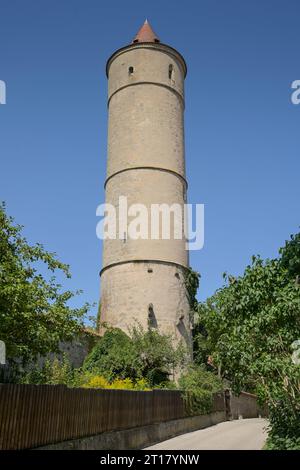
<point>37,415</point>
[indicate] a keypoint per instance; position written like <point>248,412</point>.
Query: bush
<point>59,371</point>
<point>144,354</point>
<point>146,359</point>
<point>118,384</point>
<point>284,433</point>
<point>284,413</point>
<point>96,381</point>
<point>113,357</point>
<point>199,386</point>
<point>54,371</point>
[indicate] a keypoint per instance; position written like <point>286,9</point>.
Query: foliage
<point>198,387</point>
<point>290,256</point>
<point>166,385</point>
<point>250,325</point>
<point>252,322</point>
<point>119,384</point>
<point>284,432</point>
<point>98,318</point>
<point>284,410</point>
<point>34,312</point>
<point>192,285</point>
<point>113,357</point>
<point>201,347</point>
<point>57,371</point>
<point>53,372</point>
<point>158,355</point>
<point>143,354</point>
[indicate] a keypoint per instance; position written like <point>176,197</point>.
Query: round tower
<point>143,280</point>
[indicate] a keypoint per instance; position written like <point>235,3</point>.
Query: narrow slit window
<point>171,72</point>
<point>130,70</point>
<point>152,322</point>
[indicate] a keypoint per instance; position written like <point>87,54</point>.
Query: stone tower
<point>144,280</point>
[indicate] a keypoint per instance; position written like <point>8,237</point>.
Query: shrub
<point>119,384</point>
<point>199,386</point>
<point>284,433</point>
<point>144,354</point>
<point>97,381</point>
<point>284,410</point>
<point>113,357</point>
<point>54,371</point>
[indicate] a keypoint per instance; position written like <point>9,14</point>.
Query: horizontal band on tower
<point>148,83</point>
<point>156,168</point>
<point>155,261</point>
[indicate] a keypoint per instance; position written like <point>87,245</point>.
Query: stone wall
<point>143,436</point>
<point>245,406</point>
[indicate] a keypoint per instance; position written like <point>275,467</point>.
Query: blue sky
<point>242,131</point>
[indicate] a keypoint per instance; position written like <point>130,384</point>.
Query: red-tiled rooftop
<point>146,34</point>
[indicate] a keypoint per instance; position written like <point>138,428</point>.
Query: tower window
<point>150,270</point>
<point>130,70</point>
<point>152,322</point>
<point>171,72</point>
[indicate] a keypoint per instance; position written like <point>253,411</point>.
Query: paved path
<point>243,434</point>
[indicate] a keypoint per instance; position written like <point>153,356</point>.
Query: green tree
<point>290,256</point>
<point>250,325</point>
<point>252,322</point>
<point>34,311</point>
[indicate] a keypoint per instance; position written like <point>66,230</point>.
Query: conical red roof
<point>146,34</point>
